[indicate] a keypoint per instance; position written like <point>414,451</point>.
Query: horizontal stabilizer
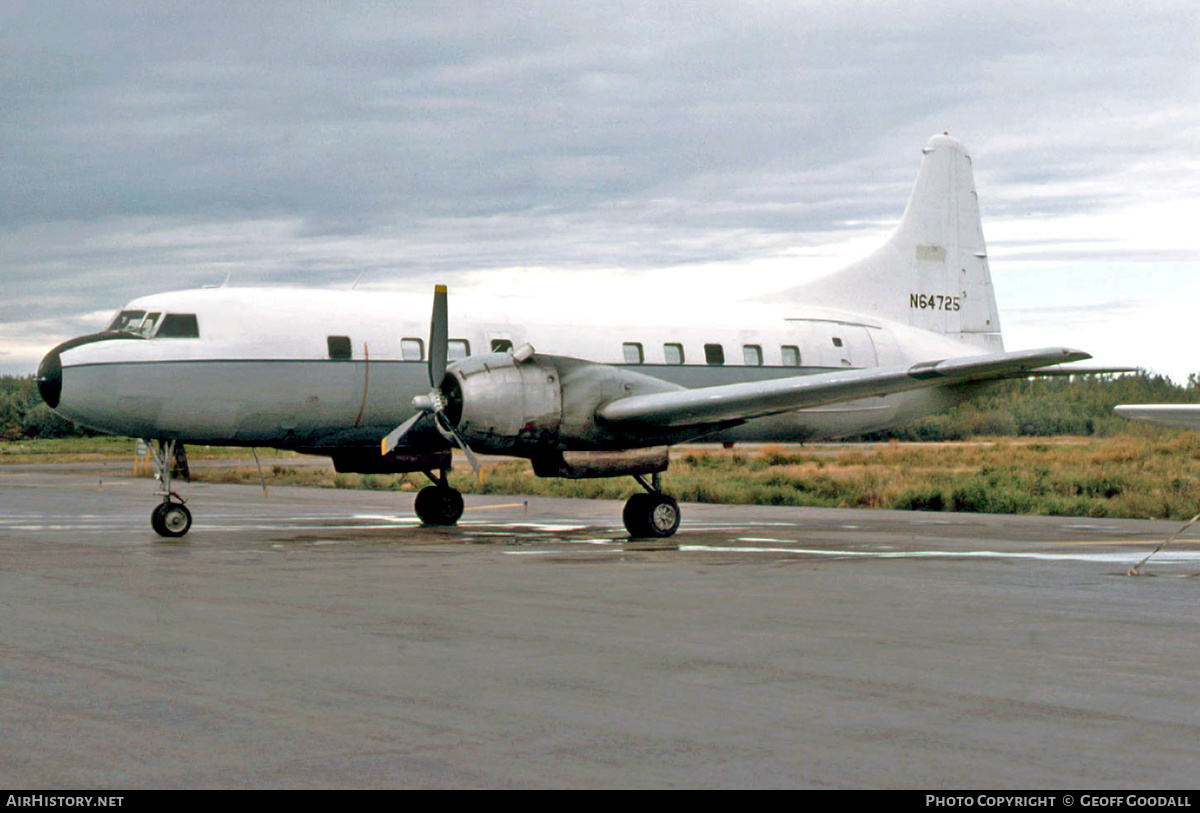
<point>739,402</point>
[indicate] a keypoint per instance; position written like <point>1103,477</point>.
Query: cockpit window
<point>127,321</point>
<point>139,323</point>
<point>178,326</point>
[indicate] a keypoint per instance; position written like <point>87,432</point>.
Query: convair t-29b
<point>358,377</point>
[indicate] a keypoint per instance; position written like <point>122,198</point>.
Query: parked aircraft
<point>353,375</point>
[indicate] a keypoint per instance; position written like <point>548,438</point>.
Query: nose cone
<point>49,379</point>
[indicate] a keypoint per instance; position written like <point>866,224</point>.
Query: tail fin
<point>933,271</point>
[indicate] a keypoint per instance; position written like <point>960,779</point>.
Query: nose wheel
<point>171,519</point>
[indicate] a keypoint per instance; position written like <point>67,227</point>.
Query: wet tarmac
<point>322,638</point>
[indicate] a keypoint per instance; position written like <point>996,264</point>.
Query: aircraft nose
<point>49,379</point>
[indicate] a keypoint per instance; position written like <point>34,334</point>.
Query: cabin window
<point>412,349</point>
<point>458,349</point>
<point>714,354</point>
<point>791,355</point>
<point>837,342</point>
<point>339,348</point>
<point>633,353</point>
<point>673,353</point>
<point>501,345</point>
<point>178,326</point>
<point>752,355</point>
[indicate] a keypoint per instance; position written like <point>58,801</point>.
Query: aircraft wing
<point>739,402</point>
<point>1185,415</point>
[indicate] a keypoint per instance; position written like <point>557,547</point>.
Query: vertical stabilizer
<point>933,271</point>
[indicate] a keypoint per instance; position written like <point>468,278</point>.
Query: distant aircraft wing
<point>739,402</point>
<point>1075,369</point>
<point>1185,415</point>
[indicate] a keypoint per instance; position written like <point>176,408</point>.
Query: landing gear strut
<point>170,518</point>
<point>651,514</point>
<point>439,504</point>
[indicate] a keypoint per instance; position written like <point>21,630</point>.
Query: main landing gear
<point>651,514</point>
<point>439,504</point>
<point>648,515</point>
<point>170,518</point>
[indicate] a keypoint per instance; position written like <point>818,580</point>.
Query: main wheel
<point>651,515</point>
<point>171,519</point>
<point>439,505</point>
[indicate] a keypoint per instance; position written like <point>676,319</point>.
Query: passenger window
<point>673,353</point>
<point>339,348</point>
<point>501,345</point>
<point>412,349</point>
<point>752,355</point>
<point>633,353</point>
<point>178,326</point>
<point>458,349</point>
<point>714,354</point>
<point>791,355</point>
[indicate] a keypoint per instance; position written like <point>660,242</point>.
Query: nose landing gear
<point>170,518</point>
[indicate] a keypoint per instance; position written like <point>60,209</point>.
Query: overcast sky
<point>676,150</point>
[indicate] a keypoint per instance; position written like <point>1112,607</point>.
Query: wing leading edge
<point>739,402</point>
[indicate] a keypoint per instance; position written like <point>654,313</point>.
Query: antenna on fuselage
<point>224,282</point>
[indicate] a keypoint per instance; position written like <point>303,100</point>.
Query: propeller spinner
<point>434,402</point>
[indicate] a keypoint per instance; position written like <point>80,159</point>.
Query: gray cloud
<point>156,145</point>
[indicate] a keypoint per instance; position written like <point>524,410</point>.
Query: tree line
<point>24,415</point>
<point>1040,407</point>
<point>1074,405</point>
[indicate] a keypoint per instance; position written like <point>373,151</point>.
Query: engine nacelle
<point>532,405</point>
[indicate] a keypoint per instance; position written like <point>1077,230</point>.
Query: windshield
<point>138,322</point>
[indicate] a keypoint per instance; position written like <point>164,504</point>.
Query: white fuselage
<point>260,373</point>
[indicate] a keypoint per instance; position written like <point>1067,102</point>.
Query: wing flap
<point>738,402</point>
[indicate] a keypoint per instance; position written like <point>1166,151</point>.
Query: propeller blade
<point>449,432</point>
<point>434,402</point>
<point>392,440</point>
<point>439,331</point>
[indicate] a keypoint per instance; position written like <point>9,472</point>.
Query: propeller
<point>434,403</point>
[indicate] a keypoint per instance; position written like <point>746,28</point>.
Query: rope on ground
<point>1134,571</point>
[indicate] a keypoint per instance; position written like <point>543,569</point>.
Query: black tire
<point>171,519</point>
<point>651,516</point>
<point>439,505</point>
<point>156,521</point>
<point>636,514</point>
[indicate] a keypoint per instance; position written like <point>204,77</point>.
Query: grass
<point>107,447</point>
<point>1155,475</point>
